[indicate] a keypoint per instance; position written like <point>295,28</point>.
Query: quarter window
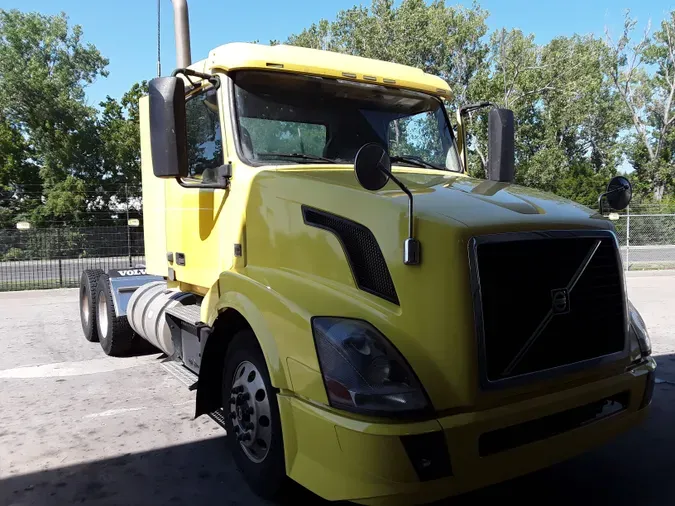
<point>205,142</point>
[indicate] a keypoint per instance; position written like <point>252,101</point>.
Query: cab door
<point>195,224</point>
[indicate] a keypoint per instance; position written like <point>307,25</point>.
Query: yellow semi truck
<point>361,315</point>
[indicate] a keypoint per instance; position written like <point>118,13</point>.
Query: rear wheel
<point>88,282</point>
<point>115,333</point>
<point>252,417</point>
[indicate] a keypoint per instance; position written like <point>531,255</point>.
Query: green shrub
<point>14,254</point>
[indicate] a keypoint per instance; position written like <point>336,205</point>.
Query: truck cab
<point>369,320</point>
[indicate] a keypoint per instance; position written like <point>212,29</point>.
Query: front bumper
<point>341,458</point>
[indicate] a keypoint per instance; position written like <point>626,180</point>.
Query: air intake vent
<point>363,253</point>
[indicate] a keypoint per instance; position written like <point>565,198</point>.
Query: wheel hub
<point>102,316</point>
<point>249,410</point>
<point>84,306</point>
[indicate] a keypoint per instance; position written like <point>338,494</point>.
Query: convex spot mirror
<point>372,166</point>
<point>168,134</point>
<point>619,193</point>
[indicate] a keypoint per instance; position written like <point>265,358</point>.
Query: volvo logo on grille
<point>560,301</point>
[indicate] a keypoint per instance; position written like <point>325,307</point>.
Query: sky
<point>125,31</point>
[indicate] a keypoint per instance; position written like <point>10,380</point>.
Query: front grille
<point>531,315</point>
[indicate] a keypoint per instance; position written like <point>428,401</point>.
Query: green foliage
<point>14,254</point>
<point>119,132</point>
<point>44,68</point>
<point>60,159</point>
<point>442,40</point>
<point>567,118</point>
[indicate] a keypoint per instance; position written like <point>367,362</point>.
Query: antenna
<point>159,38</point>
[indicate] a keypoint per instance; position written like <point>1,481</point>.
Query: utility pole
<point>159,38</point>
<point>126,194</point>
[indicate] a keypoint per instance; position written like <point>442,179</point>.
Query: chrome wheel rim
<point>249,411</point>
<point>84,306</point>
<point>102,314</point>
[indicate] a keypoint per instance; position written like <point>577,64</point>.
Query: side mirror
<point>368,164</point>
<point>168,134</point>
<point>373,170</point>
<point>619,193</point>
<point>501,140</point>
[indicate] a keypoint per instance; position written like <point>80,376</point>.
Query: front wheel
<point>252,417</point>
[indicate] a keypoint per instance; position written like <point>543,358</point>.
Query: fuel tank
<point>146,313</point>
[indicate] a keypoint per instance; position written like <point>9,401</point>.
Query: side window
<point>205,142</point>
<point>417,135</point>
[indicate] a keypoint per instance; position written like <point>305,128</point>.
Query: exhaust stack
<point>181,22</point>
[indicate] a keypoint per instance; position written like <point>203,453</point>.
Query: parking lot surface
<point>77,427</point>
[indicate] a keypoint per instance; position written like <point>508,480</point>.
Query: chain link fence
<point>38,254</point>
<point>647,236</point>
<point>55,257</point>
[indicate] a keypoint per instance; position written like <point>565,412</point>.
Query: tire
<point>88,292</point>
<point>114,333</point>
<point>263,469</point>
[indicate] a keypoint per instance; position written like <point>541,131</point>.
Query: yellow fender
<point>270,310</point>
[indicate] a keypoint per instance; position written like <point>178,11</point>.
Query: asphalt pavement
<point>77,427</point>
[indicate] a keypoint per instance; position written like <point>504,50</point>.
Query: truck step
<point>219,418</point>
<point>180,372</point>
<point>190,313</point>
<point>189,379</point>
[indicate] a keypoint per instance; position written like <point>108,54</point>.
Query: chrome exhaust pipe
<point>181,22</point>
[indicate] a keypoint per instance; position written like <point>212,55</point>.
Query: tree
<point>120,137</point>
<point>19,179</point>
<point>44,70</point>
<point>442,40</point>
<point>648,99</point>
<point>61,160</point>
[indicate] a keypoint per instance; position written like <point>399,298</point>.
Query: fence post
<point>58,253</point>
<point>126,194</point>
<point>627,237</point>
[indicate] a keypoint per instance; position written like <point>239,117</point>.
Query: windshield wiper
<point>417,161</point>
<point>300,156</point>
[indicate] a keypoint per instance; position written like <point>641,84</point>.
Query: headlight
<point>640,330</point>
<point>363,371</point>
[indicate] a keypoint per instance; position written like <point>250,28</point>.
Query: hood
<point>474,203</point>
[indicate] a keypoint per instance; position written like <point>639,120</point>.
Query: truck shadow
<point>638,466</point>
<point>198,473</point>
<point>141,347</point>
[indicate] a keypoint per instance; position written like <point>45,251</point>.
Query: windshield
<point>289,118</point>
